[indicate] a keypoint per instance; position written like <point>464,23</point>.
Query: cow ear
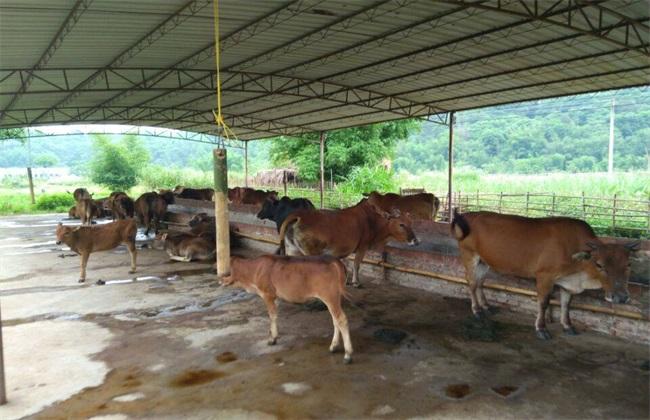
<point>581,256</point>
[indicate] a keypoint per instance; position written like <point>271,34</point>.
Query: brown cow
<point>343,232</point>
<point>122,205</point>
<point>72,213</point>
<point>103,207</point>
<point>245,195</point>
<point>80,194</point>
<point>85,240</point>
<point>553,250</point>
<point>187,247</point>
<point>86,210</point>
<point>295,279</point>
<point>205,194</point>
<point>423,206</point>
<point>150,209</point>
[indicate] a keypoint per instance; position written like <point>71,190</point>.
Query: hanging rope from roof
<point>218,116</point>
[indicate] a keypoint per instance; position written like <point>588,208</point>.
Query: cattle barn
<point>170,342</point>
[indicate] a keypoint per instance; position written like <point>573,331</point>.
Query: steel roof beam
<point>429,50</point>
<point>188,10</point>
<point>276,17</point>
<point>592,26</point>
<point>66,27</point>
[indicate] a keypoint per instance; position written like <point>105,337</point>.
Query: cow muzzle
<point>414,241</point>
<point>58,242</point>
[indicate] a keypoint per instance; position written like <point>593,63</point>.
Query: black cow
<point>278,210</point>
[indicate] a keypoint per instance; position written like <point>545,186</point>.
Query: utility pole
<point>610,160</point>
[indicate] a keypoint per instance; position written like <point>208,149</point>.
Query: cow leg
<point>341,324</point>
<point>565,300</point>
<point>147,223</point>
<point>133,253</point>
<point>358,257</point>
<point>480,270</point>
<point>544,289</point>
<point>84,262</point>
<point>470,262</point>
<point>273,315</point>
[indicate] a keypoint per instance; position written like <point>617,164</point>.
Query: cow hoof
<point>347,359</point>
<point>570,331</point>
<point>81,280</point>
<point>100,282</point>
<point>479,315</point>
<point>543,334</point>
<point>131,271</point>
<point>334,349</point>
<point>357,285</point>
<point>272,341</point>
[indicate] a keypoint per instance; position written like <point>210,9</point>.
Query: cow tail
<point>292,219</point>
<point>459,226</point>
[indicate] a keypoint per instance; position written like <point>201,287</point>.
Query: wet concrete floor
<point>173,344</point>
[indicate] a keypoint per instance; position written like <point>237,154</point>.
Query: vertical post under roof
<point>245,164</point>
<point>3,391</point>
<point>221,212</point>
<point>450,165</point>
<point>323,136</point>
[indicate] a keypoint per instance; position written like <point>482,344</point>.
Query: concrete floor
<point>175,345</point>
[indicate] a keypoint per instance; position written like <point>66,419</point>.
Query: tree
<point>13,133</point>
<point>112,166</point>
<point>346,149</point>
<point>46,160</point>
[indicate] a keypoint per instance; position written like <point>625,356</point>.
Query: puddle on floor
<point>457,391</point>
<point>505,390</point>
<point>195,377</point>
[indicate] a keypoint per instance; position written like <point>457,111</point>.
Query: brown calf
<point>150,209</point>
<point>342,232</point>
<point>295,279</point>
<point>80,194</point>
<point>423,206</point>
<point>186,247</point>
<point>122,206</point>
<point>553,250</point>
<point>245,195</point>
<point>86,210</point>
<point>86,240</point>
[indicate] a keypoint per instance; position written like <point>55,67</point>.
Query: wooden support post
<point>553,206</point>
<point>500,201</point>
<point>221,212</point>
<point>527,202</point>
<point>614,215</point>
<point>3,391</point>
<point>284,181</point>
<point>246,164</point>
<point>450,165</point>
<point>584,207</point>
<point>323,136</point>
<point>31,184</point>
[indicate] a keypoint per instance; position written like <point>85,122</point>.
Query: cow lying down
<point>296,280</point>
<point>553,250</point>
<point>85,240</point>
<point>186,247</point>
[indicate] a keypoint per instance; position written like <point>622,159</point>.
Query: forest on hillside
<point>564,134</point>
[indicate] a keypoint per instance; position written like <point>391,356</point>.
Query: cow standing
<point>85,210</point>
<point>122,206</point>
<point>150,209</point>
<point>279,210</point>
<point>343,232</point>
<point>296,280</point>
<point>422,206</point>
<point>554,250</point>
<point>85,240</point>
<point>80,194</point>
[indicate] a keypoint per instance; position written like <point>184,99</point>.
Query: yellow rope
<point>218,116</point>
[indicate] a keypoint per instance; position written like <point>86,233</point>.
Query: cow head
<point>235,266</point>
<point>159,241</point>
<point>178,189</point>
<point>610,264</point>
<point>398,225</point>
<point>199,219</point>
<point>167,195</point>
<point>268,208</point>
<point>63,233</point>
<point>272,194</point>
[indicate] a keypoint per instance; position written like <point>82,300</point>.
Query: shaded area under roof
<point>290,67</point>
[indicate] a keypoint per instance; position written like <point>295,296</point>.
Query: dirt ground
<point>173,344</point>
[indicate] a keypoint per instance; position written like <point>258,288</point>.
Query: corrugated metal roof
<point>293,66</point>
